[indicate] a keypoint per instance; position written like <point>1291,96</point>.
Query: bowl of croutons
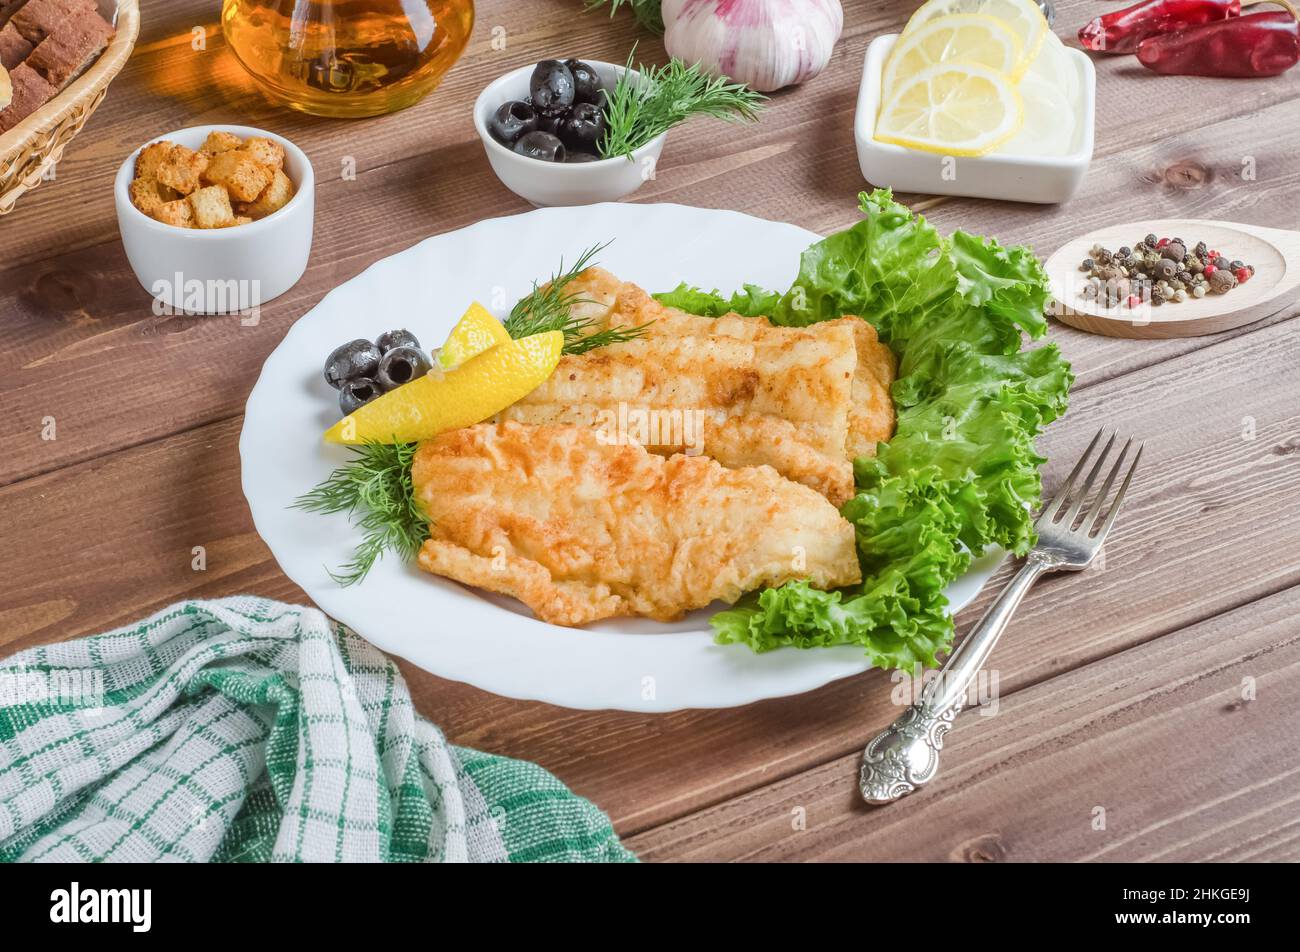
<point>216,219</point>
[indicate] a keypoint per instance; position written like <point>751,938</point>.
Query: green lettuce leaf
<point>960,473</point>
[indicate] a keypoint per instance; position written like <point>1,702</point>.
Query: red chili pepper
<point>1122,30</point>
<point>1261,44</point>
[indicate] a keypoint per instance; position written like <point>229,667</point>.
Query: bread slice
<point>30,92</point>
<point>63,55</point>
<point>37,19</point>
<point>14,47</point>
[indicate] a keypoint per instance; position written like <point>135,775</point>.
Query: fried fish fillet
<point>579,529</point>
<point>804,400</point>
<point>871,412</point>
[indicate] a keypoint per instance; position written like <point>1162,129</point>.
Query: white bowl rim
<point>125,174</point>
<point>1083,154</point>
<point>480,126</point>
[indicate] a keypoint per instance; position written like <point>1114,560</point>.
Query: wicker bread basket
<point>30,148</point>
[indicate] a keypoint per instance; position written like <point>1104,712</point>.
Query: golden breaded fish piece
<point>579,529</point>
<point>734,388</point>
<point>871,413</point>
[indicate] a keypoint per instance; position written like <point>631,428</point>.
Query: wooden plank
<point>106,541</point>
<point>1150,754</point>
<point>79,326</point>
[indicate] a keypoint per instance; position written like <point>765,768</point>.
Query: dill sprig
<point>648,13</point>
<point>375,490</point>
<point>640,109</point>
<point>549,307</point>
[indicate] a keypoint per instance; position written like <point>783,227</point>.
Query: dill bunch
<point>374,488</point>
<point>640,109</point>
<point>648,13</point>
<point>549,307</point>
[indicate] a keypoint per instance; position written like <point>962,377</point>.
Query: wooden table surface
<point>1162,687</point>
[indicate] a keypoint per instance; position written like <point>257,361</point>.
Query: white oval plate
<point>461,633</point>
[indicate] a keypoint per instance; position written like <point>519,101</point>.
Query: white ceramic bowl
<point>220,270</point>
<point>561,183</point>
<point>1045,179</point>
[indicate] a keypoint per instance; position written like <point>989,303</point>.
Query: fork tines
<point>1051,514</point>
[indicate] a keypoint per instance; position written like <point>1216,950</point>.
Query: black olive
<point>511,120</point>
<point>583,128</point>
<point>582,157</point>
<point>587,86</point>
<point>541,145</point>
<point>357,358</point>
<point>551,124</point>
<point>551,87</point>
<point>400,365</point>
<point>396,338</point>
<point>357,392</point>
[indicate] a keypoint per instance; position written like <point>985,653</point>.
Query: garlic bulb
<point>766,44</point>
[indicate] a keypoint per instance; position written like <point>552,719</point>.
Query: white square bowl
<point>1046,179</point>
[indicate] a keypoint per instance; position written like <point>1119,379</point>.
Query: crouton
<point>147,195</point>
<point>211,207</point>
<point>179,213</point>
<point>242,175</point>
<point>181,169</point>
<point>150,157</point>
<point>274,197</point>
<point>243,220</point>
<point>220,142</point>
<point>265,151</point>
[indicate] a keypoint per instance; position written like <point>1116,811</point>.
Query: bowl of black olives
<point>542,127</point>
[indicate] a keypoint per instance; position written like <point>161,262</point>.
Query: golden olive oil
<point>347,58</point>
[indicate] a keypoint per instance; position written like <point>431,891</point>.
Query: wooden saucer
<point>1275,253</point>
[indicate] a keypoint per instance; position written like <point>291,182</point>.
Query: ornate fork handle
<point>905,755</point>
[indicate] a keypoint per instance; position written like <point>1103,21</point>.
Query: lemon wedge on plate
<point>1022,17</point>
<point>961,37</point>
<point>475,332</point>
<point>442,400</point>
<point>952,108</point>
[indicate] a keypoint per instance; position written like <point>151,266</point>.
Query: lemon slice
<point>1022,17</point>
<point>952,109</point>
<point>1053,65</point>
<point>475,332</point>
<point>483,385</point>
<point>961,37</point>
<point>1049,120</point>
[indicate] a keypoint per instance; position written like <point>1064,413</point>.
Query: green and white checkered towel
<point>246,730</point>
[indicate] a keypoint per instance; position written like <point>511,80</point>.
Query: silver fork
<point>905,755</point>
